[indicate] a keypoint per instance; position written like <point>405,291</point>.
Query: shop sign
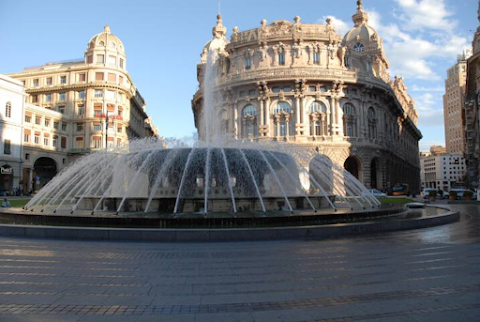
<point>5,170</point>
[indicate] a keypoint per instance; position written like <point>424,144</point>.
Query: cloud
<point>416,88</point>
<point>426,14</point>
<point>430,110</point>
<point>341,27</point>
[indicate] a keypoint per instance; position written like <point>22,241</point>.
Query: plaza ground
<point>423,275</point>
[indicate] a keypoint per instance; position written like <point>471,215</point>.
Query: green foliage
<point>395,200</point>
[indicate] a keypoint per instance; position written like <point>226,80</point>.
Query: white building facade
<point>442,171</point>
<point>12,98</point>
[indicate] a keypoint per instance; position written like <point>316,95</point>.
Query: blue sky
<point>163,41</point>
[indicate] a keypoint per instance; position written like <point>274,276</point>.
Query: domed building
<point>305,84</point>
<point>78,106</point>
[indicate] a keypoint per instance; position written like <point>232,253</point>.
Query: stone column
<point>333,117</point>
<point>262,112</point>
<point>235,120</point>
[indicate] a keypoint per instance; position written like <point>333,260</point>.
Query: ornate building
<point>303,83</point>
<point>78,106</point>
<point>472,111</point>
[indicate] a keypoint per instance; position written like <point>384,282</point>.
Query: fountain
<point>219,176</point>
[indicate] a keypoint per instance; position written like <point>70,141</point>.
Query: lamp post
<point>106,131</point>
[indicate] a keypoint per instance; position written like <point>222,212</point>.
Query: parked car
<point>377,194</point>
<point>424,194</point>
<point>461,192</point>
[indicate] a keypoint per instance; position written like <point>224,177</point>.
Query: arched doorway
<point>6,178</point>
<point>44,170</point>
<point>353,165</point>
<point>375,174</point>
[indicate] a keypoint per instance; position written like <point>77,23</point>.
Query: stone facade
<point>472,112</point>
<point>453,103</point>
<point>70,104</point>
<point>303,83</point>
<point>12,98</point>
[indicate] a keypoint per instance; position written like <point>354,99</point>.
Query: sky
<point>163,41</point>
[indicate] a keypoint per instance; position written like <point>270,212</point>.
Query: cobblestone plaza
<point>422,275</point>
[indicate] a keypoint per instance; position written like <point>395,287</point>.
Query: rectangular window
<point>112,77</point>
<point>27,156</point>
<point>61,97</point>
<point>64,127</point>
<point>55,141</point>
<point>26,137</point>
<point>79,142</point>
<point>121,97</point>
<point>100,59</point>
<point>97,127</point>
<point>82,77</point>
<point>81,94</point>
<point>97,110</point>
<point>119,129</point>
<point>6,147</point>
<point>281,58</point>
<point>55,125</point>
<point>35,82</point>
<point>63,79</point>
<point>98,93</point>
<point>37,138</point>
<point>112,60</point>
<point>79,127</point>
<point>63,142</point>
<point>120,80</point>
<point>46,141</point>
<point>110,95</point>
<point>121,63</point>
<point>49,81</point>
<point>80,110</point>
<point>47,122</point>
<point>99,76</point>
<point>48,97</point>
<point>34,99</point>
<point>248,63</point>
<point>97,142</point>
<point>89,59</point>
<point>38,120</point>
<point>312,88</point>
<point>28,119</point>
<point>316,58</point>
<point>61,109</point>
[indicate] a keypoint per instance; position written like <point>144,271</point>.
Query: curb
<point>234,234</point>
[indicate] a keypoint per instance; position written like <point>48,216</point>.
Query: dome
<point>106,38</point>
<point>360,33</point>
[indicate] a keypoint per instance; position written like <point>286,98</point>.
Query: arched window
<point>349,120</point>
<point>8,109</point>
<point>249,110</point>
<point>284,121</point>
<point>112,44</point>
<point>359,47</point>
<point>282,107</point>
<point>318,107</point>
<point>372,124</point>
<point>318,118</point>
<point>249,121</point>
<point>101,43</point>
